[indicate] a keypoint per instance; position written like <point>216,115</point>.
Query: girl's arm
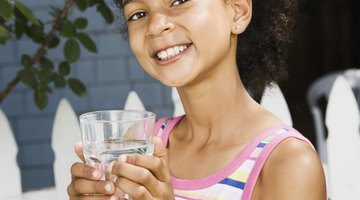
<point>292,171</point>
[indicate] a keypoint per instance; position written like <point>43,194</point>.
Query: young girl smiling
<point>226,146</point>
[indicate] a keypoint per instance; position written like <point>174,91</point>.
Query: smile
<point>170,52</point>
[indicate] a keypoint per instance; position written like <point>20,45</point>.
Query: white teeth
<point>170,52</point>
<point>177,49</point>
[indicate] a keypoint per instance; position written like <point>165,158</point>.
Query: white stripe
<point>247,166</point>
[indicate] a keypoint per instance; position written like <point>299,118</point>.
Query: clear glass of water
<point>108,134</point>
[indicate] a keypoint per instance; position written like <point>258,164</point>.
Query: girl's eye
<point>178,2</point>
<point>137,16</point>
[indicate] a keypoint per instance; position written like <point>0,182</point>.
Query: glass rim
<point>83,117</point>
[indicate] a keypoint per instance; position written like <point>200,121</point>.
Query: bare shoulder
<point>292,171</point>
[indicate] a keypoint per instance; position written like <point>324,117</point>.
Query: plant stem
<point>42,49</point>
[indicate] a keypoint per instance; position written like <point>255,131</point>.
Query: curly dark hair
<point>261,49</point>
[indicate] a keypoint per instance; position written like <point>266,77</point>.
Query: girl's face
<point>181,42</point>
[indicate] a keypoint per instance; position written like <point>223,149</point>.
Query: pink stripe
<point>158,125</point>
<point>250,183</point>
<point>169,127</point>
<point>202,183</point>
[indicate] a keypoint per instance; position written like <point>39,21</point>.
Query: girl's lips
<point>173,58</point>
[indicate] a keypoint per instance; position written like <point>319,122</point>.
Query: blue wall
<point>109,75</point>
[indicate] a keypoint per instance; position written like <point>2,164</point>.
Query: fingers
<point>144,177</point>
<point>160,150</point>
<point>85,187</point>
<point>94,197</point>
<point>79,151</point>
<point>139,175</point>
<point>84,171</point>
<point>135,190</point>
<point>86,180</point>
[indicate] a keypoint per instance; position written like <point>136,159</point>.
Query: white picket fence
<point>66,133</point>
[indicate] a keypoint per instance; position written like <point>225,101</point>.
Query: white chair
<point>178,107</point>
<point>65,133</point>
<point>321,88</point>
<point>9,171</point>
<point>274,100</point>
<point>343,143</point>
<point>133,102</point>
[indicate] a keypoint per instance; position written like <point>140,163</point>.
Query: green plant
<point>38,72</point>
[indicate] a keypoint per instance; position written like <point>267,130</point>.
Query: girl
<point>226,146</point>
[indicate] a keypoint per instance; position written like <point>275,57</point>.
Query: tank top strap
<point>263,150</point>
<point>164,125</point>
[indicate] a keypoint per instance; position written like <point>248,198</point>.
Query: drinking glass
<point>108,134</point>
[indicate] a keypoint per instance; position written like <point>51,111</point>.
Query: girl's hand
<point>145,177</point>
<point>86,183</point>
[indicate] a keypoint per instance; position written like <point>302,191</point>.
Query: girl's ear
<point>242,10</point>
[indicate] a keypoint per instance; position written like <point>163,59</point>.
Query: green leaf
<point>77,87</point>
<point>81,4</point>
<point>46,64</point>
<point>87,42</point>
<point>80,23</point>
<point>59,81</point>
<point>36,33</point>
<point>4,35</point>
<point>40,98</point>
<point>26,60</point>
<point>64,68</point>
<point>93,2</point>
<point>20,28</point>
<point>71,50</point>
<point>19,15</point>
<point>45,77</point>
<point>47,88</point>
<point>105,12</point>
<point>67,30</point>
<point>54,42</point>
<point>6,11</point>
<point>26,12</point>
<point>28,77</point>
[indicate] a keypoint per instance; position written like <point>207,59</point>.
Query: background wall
<point>109,76</point>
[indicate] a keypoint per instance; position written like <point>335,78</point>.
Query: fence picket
<point>9,170</point>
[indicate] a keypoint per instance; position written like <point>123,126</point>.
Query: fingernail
<point>122,158</point>
<point>95,173</point>
<point>107,187</point>
<point>113,198</point>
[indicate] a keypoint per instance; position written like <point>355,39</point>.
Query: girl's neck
<point>212,105</point>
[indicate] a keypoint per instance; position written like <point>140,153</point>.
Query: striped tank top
<point>237,180</point>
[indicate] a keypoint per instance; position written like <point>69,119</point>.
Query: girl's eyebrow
<point>124,2</point>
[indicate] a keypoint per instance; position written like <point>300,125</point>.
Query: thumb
<point>79,151</point>
<point>160,150</point>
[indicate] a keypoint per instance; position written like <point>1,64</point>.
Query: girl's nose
<point>159,24</point>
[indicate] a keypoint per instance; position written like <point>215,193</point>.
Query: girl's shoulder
<point>293,168</point>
